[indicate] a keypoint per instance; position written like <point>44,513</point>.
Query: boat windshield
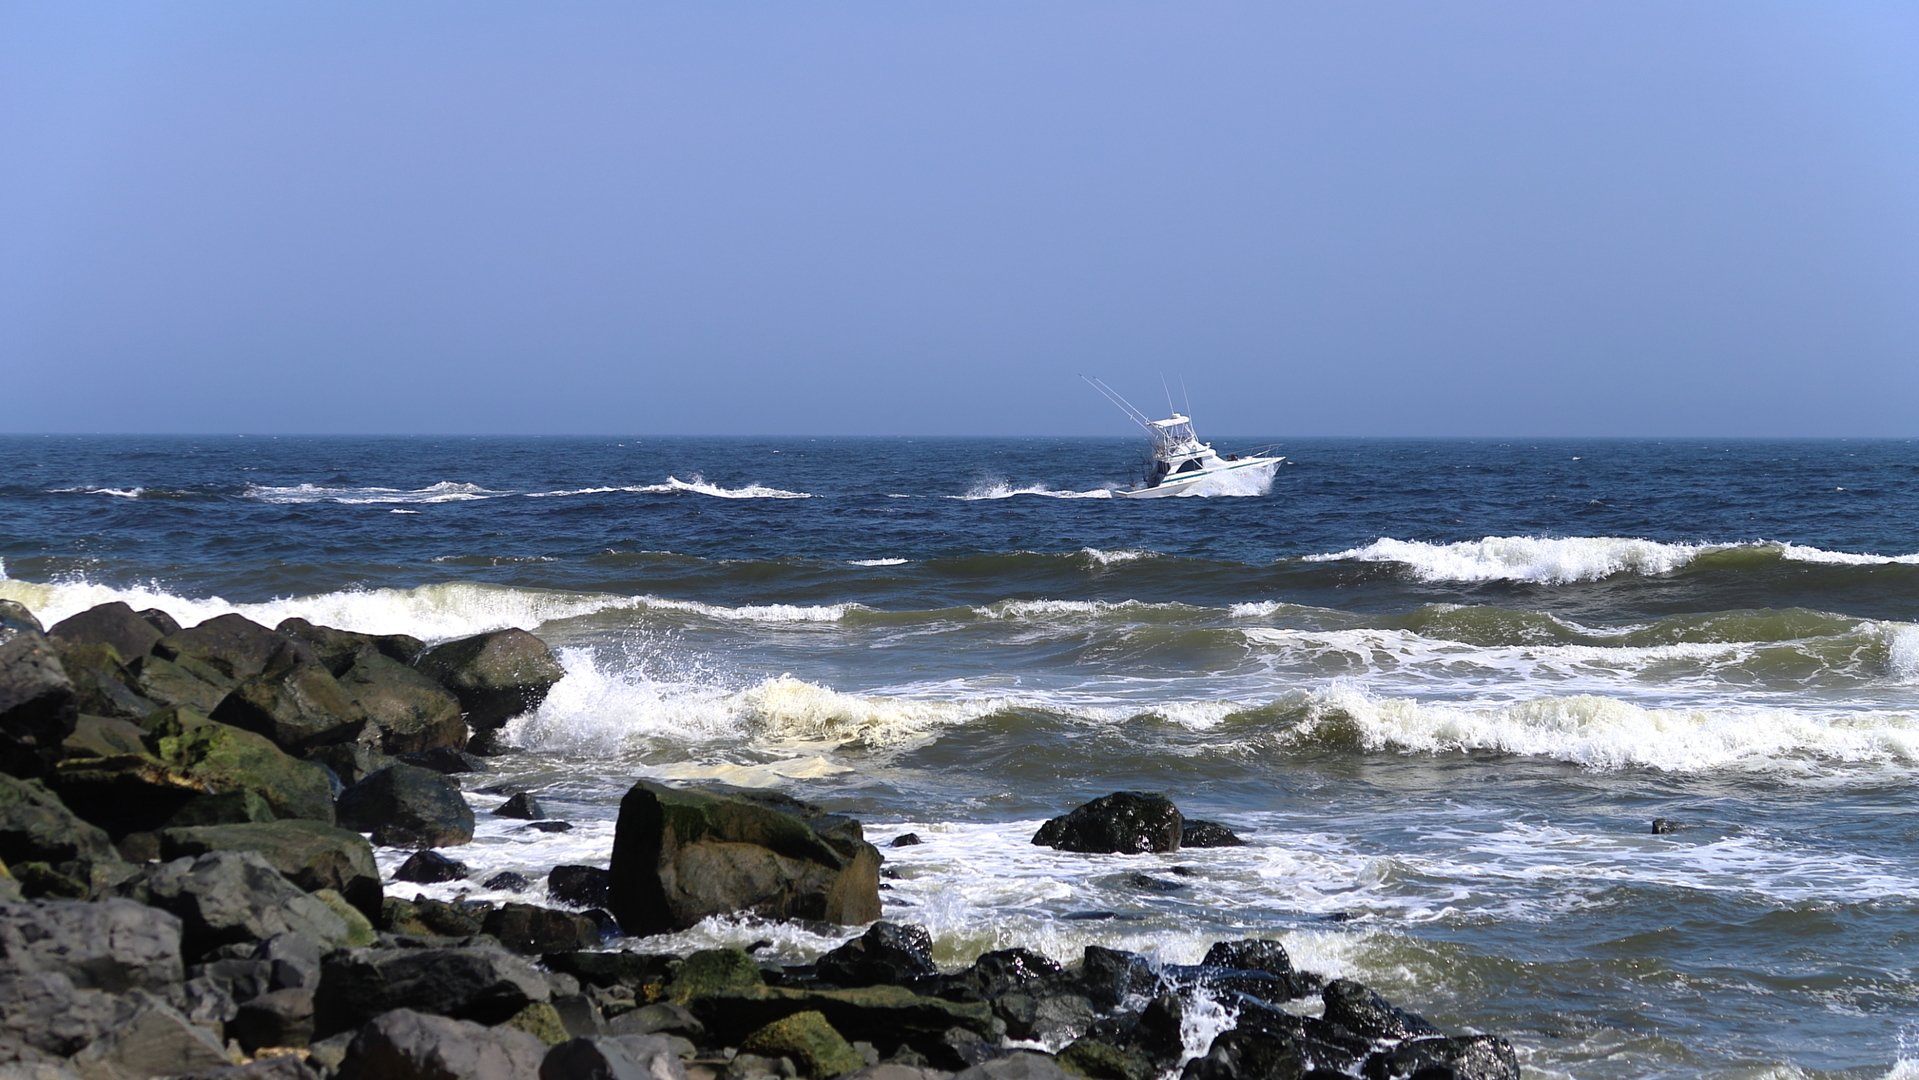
<point>1174,431</point>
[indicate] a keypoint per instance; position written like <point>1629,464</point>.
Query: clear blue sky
<point>1329,218</point>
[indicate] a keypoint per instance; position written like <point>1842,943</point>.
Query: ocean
<point>1443,688</point>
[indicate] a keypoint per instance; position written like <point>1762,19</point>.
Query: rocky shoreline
<point>188,888</point>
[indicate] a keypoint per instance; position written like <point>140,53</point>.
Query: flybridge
<point>1182,465</point>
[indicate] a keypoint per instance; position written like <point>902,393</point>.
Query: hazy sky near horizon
<point>1329,219</point>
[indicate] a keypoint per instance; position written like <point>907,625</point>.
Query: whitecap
<point>1525,558</point>
<point>1000,489</point>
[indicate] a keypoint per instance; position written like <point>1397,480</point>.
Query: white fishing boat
<point>1182,465</point>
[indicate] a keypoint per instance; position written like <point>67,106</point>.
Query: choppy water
<point>1444,688</point>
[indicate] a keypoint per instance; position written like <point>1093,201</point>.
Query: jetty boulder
<point>407,806</point>
<point>482,983</point>
<point>295,702</point>
<point>1125,822</point>
<point>680,855</point>
<point>408,1045</point>
<point>233,645</point>
<point>235,897</point>
<point>410,712</point>
<point>36,828</point>
<point>65,965</point>
<point>113,624</point>
<point>37,702</point>
<point>311,854</point>
<point>495,676</point>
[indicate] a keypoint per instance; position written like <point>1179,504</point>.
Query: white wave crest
<point>877,562</point>
<point>1030,609</point>
<point>1606,733</point>
<point>699,486</point>
<point>1800,553</point>
<point>1525,558</point>
<point>442,492</point>
<point>1000,489</point>
<point>767,613</point>
<point>118,493</point>
<point>1115,558</point>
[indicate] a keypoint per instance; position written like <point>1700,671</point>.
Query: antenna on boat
<point>1125,406</point>
<point>1188,397</point>
<point>1169,392</point>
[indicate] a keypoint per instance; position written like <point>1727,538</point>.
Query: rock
<point>547,827</point>
<point>65,966</point>
<point>421,917</point>
<point>336,650</point>
<point>1125,822</point>
<point>660,1017</point>
<point>15,615</point>
<point>445,759</point>
<point>36,827</point>
<point>430,867</point>
<point>887,953</point>
<point>496,676</point>
<point>160,621</point>
<point>101,683</point>
<point>283,1067</point>
<point>627,1057</point>
<point>1102,1060</point>
<point>1250,954</point>
<point>1458,1057</point>
<point>351,762</point>
<point>681,855</point>
<point>185,683</point>
<point>1110,975</point>
<point>1664,826</point>
<point>37,703</point>
<point>114,624</point>
<point>311,854</point>
<point>619,968</point>
<point>808,1041</point>
<point>1019,1065</point>
<point>906,840</point>
<point>405,806</point>
<point>410,712</point>
<point>889,1017</point>
<point>150,1038</point>
<point>1250,1055</point>
<point>708,972</point>
<point>103,736</point>
<point>540,1020</point>
<point>522,806</point>
<point>995,973</point>
<point>275,1018</point>
<point>482,983</point>
<point>507,881</point>
<point>532,930</point>
<point>1201,834</point>
<point>233,645</point>
<point>407,1045</point>
<point>193,757</point>
<point>295,702</point>
<point>580,886</point>
<point>1362,1011</point>
<point>233,897</point>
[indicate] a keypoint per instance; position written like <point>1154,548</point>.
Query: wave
<point>699,486</point>
<point>1000,489</point>
<point>877,562</point>
<point>118,493</point>
<point>1566,560</point>
<point>443,492</point>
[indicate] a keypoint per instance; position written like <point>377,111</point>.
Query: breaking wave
<point>1565,560</point>
<point>443,492</point>
<point>1000,489</point>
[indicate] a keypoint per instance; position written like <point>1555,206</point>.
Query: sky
<point>1368,219</point>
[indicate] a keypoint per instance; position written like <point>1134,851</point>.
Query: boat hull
<point>1249,470</point>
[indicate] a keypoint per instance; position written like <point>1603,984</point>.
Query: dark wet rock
<point>1101,1060</point>
<point>225,808</point>
<point>115,625</point>
<point>1019,1065</point>
<point>430,867</point>
<point>482,983</point>
<point>681,855</point>
<point>150,1038</point>
<point>184,683</point>
<point>1663,826</point>
<point>66,966</point>
<point>549,826</point>
<point>295,702</point>
<point>496,676</point>
<point>405,806</point>
<point>1194,833</point>
<point>1458,1057</point>
<point>350,762</point>
<point>532,930</point>
<point>37,703</point>
<point>233,645</point>
<point>1125,822</point>
<point>36,827</point>
<point>231,897</point>
<point>1363,1011</point>
<point>628,1057</point>
<point>421,917</point>
<point>521,805</point>
<point>580,886</point>
<point>662,1017</point>
<point>275,1018</point>
<point>445,759</point>
<point>192,757</point>
<point>17,616</point>
<point>283,1067</point>
<point>887,953</point>
<point>1250,1055</point>
<point>906,840</point>
<point>336,650</point>
<point>104,736</point>
<point>1109,976</point>
<point>889,1017</point>
<point>1151,1035</point>
<point>311,854</point>
<point>1001,971</point>
<point>160,621</point>
<point>408,1045</point>
<point>808,1041</point>
<point>1249,954</point>
<point>615,968</point>
<point>1149,883</point>
<point>101,683</point>
<point>410,712</point>
<point>507,881</point>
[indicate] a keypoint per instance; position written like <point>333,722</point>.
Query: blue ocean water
<point>1442,686</point>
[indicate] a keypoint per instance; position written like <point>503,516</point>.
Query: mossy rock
<point>1103,1061</point>
<point>808,1041</point>
<point>542,1021</point>
<point>359,930</point>
<point>225,758</point>
<point>715,971</point>
<point>311,854</point>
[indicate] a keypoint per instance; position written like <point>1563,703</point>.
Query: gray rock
<point>150,1038</point>
<point>496,676</point>
<point>1364,1012</point>
<point>295,702</point>
<point>113,624</point>
<point>160,621</point>
<point>410,712</point>
<point>407,806</point>
<point>407,1045</point>
<point>275,1018</point>
<point>283,1067</point>
<point>233,645</point>
<point>36,827</point>
<point>521,805</point>
<point>887,953</point>
<point>481,983</point>
<point>430,867</point>
<point>1458,1057</point>
<point>311,854</point>
<point>184,683</point>
<point>1125,822</point>
<point>37,702</point>
<point>228,897</point>
<point>536,931</point>
<point>15,615</point>
<point>627,1057</point>
<point>1019,1065</point>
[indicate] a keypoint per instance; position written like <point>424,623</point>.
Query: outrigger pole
<point>1125,406</point>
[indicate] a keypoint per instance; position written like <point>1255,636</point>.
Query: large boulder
<point>408,1045</point>
<point>113,624</point>
<point>496,676</point>
<point>887,953</point>
<point>1125,822</point>
<point>101,682</point>
<point>64,965</point>
<point>482,983</point>
<point>37,702</point>
<point>622,1057</point>
<point>1456,1057</point>
<point>149,1037</point>
<point>233,645</point>
<point>311,854</point>
<point>889,1017</point>
<point>410,712</point>
<point>234,897</point>
<point>534,931</point>
<point>681,855</point>
<point>295,702</point>
<point>36,827</point>
<point>184,683</point>
<point>195,762</point>
<point>407,806</point>
<point>336,649</point>
<point>808,1041</point>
